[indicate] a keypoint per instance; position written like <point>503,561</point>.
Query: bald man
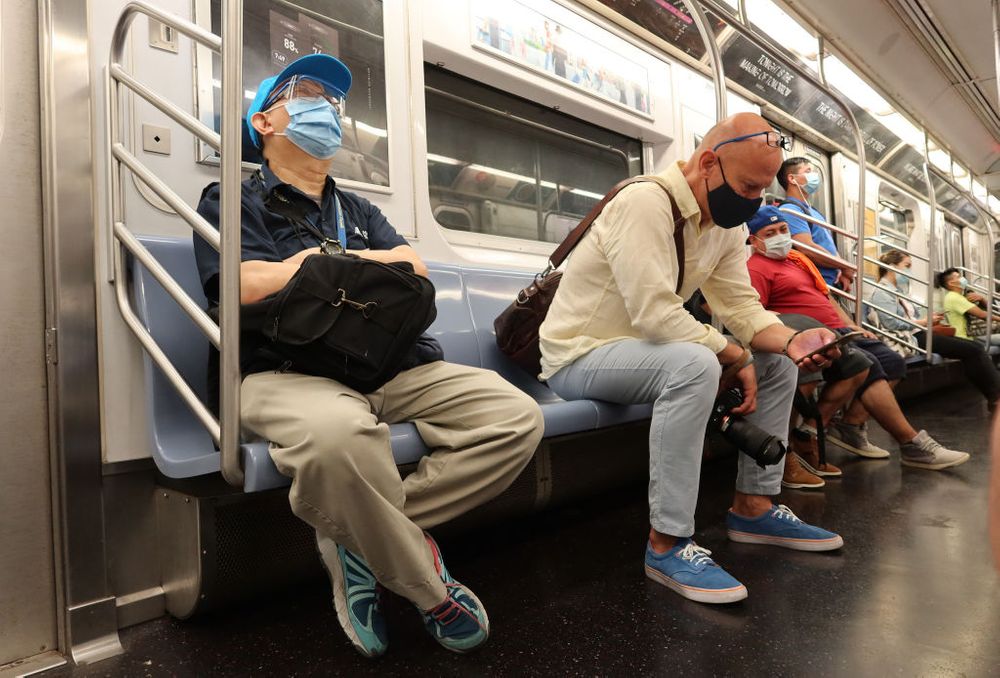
<point>617,331</point>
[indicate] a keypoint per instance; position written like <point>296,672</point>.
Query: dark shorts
<point>853,359</point>
<point>886,363</point>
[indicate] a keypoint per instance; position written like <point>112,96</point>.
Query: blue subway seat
<point>468,300</point>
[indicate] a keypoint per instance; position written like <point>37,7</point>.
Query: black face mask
<point>730,209</point>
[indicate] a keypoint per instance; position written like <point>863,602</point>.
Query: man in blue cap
<point>332,440</point>
<point>789,283</point>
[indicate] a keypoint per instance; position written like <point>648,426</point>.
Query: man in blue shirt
<point>332,440</point>
<point>800,180</point>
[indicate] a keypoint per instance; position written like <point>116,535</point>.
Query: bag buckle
<point>367,309</point>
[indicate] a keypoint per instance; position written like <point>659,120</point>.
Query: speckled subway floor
<point>912,593</point>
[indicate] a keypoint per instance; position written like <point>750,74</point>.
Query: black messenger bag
<point>346,318</point>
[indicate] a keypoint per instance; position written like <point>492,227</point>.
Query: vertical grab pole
<point>229,250</point>
<point>718,80</point>
<point>932,243</point>
<point>712,45</point>
<point>859,149</point>
<point>859,141</point>
<point>991,279</point>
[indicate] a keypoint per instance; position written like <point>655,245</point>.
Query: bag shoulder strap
<point>574,236</point>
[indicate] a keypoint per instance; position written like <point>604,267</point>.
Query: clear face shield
<point>304,87</point>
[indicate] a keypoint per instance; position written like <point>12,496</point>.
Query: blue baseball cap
<point>766,215</point>
<point>327,70</point>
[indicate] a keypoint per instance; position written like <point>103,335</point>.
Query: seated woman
<point>977,365</point>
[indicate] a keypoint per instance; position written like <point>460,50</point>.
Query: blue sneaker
<point>459,623</point>
<point>688,570</point>
<point>781,527</point>
<point>357,596</point>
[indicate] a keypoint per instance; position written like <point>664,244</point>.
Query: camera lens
<point>759,445</point>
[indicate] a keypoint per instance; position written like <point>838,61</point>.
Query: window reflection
<point>277,32</point>
<point>503,166</point>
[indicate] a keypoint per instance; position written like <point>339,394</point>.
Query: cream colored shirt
<point>619,281</point>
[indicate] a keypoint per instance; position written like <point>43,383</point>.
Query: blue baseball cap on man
<point>322,68</point>
<point>766,215</point>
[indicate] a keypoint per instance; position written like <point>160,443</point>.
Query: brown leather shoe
<point>806,448</point>
<point>797,477</point>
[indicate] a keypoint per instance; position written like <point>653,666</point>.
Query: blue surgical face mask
<point>903,283</point>
<point>964,282</point>
<point>313,126</point>
<point>778,246</point>
<point>813,182</point>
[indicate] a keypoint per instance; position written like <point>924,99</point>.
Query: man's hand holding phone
<point>813,350</point>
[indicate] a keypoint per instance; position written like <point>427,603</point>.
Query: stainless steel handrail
<point>916,347</point>
<point>195,312</point>
<point>932,243</point>
<point>184,210</point>
<point>859,143</point>
<point>819,222</point>
<point>836,291</point>
<point>718,80</point>
<point>893,314</point>
<point>159,357</point>
<point>989,234</point>
<point>230,177</point>
<point>715,61</point>
<point>912,255</point>
<point>175,113</point>
<point>841,263</point>
<point>225,430</point>
<point>879,286</point>
<point>890,267</point>
<point>991,291</point>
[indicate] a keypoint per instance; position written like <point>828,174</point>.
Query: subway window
<point>276,33</point>
<point>504,166</point>
<point>894,224</point>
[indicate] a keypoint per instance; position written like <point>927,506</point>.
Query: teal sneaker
<point>357,596</point>
<point>459,623</point>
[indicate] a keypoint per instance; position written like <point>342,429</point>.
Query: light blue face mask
<point>903,283</point>
<point>964,282</point>
<point>313,126</point>
<point>812,183</point>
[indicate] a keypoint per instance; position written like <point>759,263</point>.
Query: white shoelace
<point>785,513</point>
<point>697,555</point>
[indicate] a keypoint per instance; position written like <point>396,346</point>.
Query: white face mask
<point>777,246</point>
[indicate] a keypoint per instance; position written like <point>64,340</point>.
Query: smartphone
<point>840,341</point>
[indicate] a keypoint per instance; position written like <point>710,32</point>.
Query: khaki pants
<point>333,442</point>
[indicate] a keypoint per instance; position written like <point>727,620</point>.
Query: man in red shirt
<point>788,283</point>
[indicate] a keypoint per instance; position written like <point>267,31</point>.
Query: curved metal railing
<point>225,430</point>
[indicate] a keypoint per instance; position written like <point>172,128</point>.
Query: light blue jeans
<point>681,380</point>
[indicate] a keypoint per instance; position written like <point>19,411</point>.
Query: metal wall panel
<point>27,579</point>
<point>88,628</point>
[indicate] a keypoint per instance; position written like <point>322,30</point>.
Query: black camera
<point>757,444</point>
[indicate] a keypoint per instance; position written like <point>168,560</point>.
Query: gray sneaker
<point>925,452</point>
<point>854,438</point>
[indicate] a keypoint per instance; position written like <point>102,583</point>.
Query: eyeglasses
<point>297,86</point>
<point>773,139</point>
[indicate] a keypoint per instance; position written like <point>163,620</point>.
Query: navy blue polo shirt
<point>268,233</point>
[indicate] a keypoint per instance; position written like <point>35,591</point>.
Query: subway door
<point>28,625</point>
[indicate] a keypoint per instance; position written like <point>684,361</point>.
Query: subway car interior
<point>148,527</point>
